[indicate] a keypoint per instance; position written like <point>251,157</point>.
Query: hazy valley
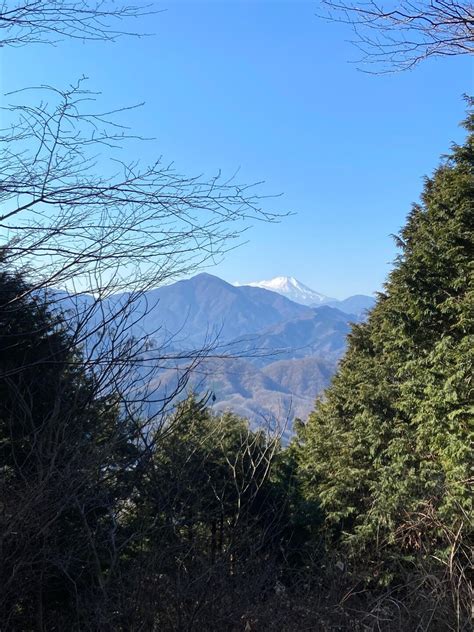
<point>265,357</point>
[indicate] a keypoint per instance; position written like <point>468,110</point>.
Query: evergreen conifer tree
<point>388,451</point>
<point>65,453</point>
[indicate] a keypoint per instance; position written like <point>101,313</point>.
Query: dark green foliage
<point>212,517</point>
<point>64,453</point>
<point>388,451</point>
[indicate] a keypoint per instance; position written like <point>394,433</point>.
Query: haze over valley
<point>264,356</point>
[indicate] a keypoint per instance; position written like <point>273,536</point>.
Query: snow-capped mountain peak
<point>291,288</point>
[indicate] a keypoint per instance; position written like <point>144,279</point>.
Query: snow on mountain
<point>292,289</point>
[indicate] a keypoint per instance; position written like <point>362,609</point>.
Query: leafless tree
<point>80,218</point>
<point>48,21</point>
<point>222,540</point>
<point>94,232</point>
<point>399,36</point>
<point>77,214</point>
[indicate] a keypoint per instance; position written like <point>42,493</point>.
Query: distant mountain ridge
<point>357,304</point>
<point>292,289</point>
<point>272,355</point>
<point>296,291</point>
<point>282,354</point>
<point>206,307</point>
<point>322,333</point>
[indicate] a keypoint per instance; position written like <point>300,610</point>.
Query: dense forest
<point>111,522</point>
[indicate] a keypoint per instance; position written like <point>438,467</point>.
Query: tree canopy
<point>387,452</point>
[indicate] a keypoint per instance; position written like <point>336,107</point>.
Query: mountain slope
<point>304,377</point>
<point>280,354</point>
<point>275,394</point>
<point>206,307</point>
<point>321,332</point>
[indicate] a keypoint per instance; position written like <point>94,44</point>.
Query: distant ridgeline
<point>268,357</point>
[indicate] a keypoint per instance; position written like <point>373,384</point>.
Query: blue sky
<point>268,88</point>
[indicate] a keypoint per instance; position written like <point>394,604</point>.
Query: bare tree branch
<point>398,37</point>
<point>49,21</point>
<point>60,216</point>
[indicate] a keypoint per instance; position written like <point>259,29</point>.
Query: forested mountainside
<point>243,331</point>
